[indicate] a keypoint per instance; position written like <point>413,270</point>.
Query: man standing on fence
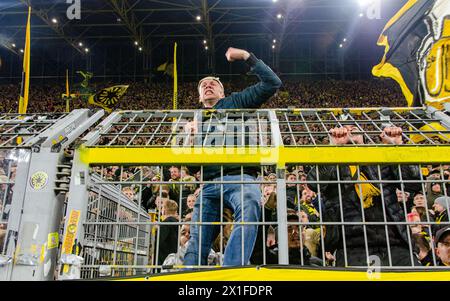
<point>207,208</point>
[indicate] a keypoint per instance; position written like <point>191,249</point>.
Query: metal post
<point>283,250</point>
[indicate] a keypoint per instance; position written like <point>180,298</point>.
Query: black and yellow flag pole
<point>175,89</point>
<point>67,92</point>
<point>175,78</point>
<point>25,87</point>
<point>24,91</point>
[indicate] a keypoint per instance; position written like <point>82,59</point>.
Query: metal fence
<point>272,187</point>
<point>34,178</point>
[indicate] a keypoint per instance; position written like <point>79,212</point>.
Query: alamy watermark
<point>74,9</point>
<point>371,9</point>
<point>231,136</point>
<point>374,267</point>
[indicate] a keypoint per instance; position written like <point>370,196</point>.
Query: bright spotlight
<point>198,18</point>
<point>206,47</point>
<point>204,41</point>
<point>80,44</point>
<point>361,15</point>
<point>86,50</point>
<point>273,46</point>
<point>340,45</point>
<point>274,41</point>
<point>279,16</point>
<point>13,45</point>
<point>140,48</point>
<point>136,43</point>
<point>345,40</point>
<point>54,21</point>
<point>363,2</point>
<point>21,50</point>
<point>274,1</point>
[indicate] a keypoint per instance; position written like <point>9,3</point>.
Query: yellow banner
<point>432,127</point>
<point>71,232</point>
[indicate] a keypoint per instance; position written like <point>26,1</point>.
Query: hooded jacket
<point>352,206</point>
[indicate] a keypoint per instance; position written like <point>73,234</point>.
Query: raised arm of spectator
<point>253,96</point>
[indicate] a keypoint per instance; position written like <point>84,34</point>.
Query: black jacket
<point>168,239</point>
<point>352,211</point>
<point>440,218</point>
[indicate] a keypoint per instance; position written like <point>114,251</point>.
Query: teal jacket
<point>250,98</point>
<point>254,96</point>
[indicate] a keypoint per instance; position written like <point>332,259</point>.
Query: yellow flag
<point>416,42</point>
<point>175,78</point>
<point>162,67</point>
<point>432,127</point>
<point>108,98</point>
<point>24,91</point>
<point>67,92</point>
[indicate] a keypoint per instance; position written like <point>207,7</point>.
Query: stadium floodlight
<point>21,50</point>
<point>54,21</point>
<point>119,20</point>
<point>86,50</point>
<point>274,1</point>
<point>274,41</point>
<point>136,43</point>
<point>361,15</point>
<point>279,16</point>
<point>198,18</point>
<point>273,46</point>
<point>206,47</point>
<point>345,40</point>
<point>80,44</point>
<point>340,45</point>
<point>204,42</point>
<point>13,45</point>
<point>363,2</point>
<point>140,48</point>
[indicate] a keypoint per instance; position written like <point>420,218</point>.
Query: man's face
<point>129,194</point>
<point>436,187</point>
<point>419,200</point>
<point>174,173</point>
<point>356,138</point>
<point>185,234</point>
<point>443,249</point>
<point>293,236</point>
<point>438,208</point>
<point>268,189</point>
<point>291,178</point>
<point>191,202</point>
<point>402,196</point>
<point>307,195</point>
<point>210,90</point>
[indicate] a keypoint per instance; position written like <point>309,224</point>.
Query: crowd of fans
<point>308,241</point>
<point>153,96</point>
<point>426,205</point>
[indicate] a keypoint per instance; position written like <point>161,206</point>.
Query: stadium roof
<point>145,20</point>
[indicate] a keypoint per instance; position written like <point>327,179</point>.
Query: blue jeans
<point>209,200</point>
